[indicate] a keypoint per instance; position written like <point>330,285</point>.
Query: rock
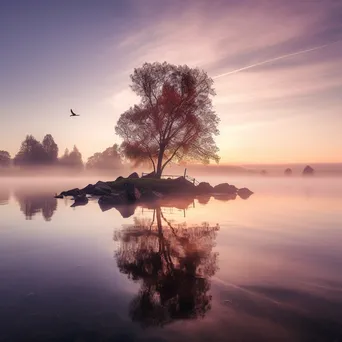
<point>150,195</point>
<point>80,200</point>
<point>308,171</point>
<point>72,192</point>
<point>204,188</point>
<point>225,188</point>
<point>244,193</point>
<point>126,210</point>
<point>103,185</point>
<point>112,199</point>
<point>58,196</point>
<point>119,179</point>
<point>119,202</point>
<point>100,188</point>
<point>180,184</point>
<point>133,175</point>
<point>88,189</point>
<point>225,197</point>
<point>288,172</point>
<point>132,193</point>
<point>203,198</point>
<point>150,175</point>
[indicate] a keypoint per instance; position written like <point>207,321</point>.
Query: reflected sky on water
<point>262,269</point>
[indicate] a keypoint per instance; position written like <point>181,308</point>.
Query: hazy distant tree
<point>75,158</point>
<point>50,148</point>
<point>108,159</point>
<point>31,153</point>
<point>72,159</point>
<point>288,172</point>
<point>64,159</point>
<point>308,171</point>
<point>175,119</point>
<point>5,159</point>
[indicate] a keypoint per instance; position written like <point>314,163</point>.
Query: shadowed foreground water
<point>222,269</point>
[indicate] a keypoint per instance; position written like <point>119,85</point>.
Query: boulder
<point>112,199</point>
<point>101,188</point>
<point>203,198</point>
<point>149,175</point>
<point>308,171</point>
<point>103,185</point>
<point>204,188</point>
<point>150,195</point>
<point>80,200</point>
<point>180,184</point>
<point>133,175</point>
<point>119,179</point>
<point>88,189</point>
<point>225,188</point>
<point>244,193</point>
<point>126,210</point>
<point>131,192</point>
<point>225,197</point>
<point>288,172</point>
<point>73,192</point>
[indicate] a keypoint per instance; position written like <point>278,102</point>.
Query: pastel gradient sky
<point>57,55</point>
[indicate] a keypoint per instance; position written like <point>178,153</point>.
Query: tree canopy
<point>175,119</point>
<point>5,159</point>
<point>31,152</point>
<point>72,159</point>
<point>50,148</point>
<point>35,153</point>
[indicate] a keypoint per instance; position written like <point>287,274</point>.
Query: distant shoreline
<point>262,170</point>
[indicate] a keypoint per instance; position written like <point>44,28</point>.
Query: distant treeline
<point>33,153</point>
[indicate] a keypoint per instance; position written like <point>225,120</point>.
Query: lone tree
<point>175,119</point>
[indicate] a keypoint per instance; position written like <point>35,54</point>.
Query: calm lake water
<point>268,268</point>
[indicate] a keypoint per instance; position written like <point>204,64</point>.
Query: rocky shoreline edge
<point>135,190</point>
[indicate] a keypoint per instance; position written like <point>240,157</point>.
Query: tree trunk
<point>160,162</point>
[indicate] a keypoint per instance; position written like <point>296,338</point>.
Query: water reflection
<point>285,313</point>
<point>4,194</point>
<point>33,203</point>
<point>173,264</point>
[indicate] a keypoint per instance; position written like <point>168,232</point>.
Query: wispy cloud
<point>274,59</point>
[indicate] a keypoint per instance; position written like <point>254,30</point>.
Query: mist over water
<point>262,269</point>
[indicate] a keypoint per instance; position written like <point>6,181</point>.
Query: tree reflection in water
<point>4,194</point>
<point>173,264</point>
<point>31,204</point>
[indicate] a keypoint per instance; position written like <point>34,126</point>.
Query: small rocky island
<point>136,190</point>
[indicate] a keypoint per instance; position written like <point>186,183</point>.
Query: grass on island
<point>154,184</point>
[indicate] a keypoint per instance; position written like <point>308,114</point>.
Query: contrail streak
<point>274,59</point>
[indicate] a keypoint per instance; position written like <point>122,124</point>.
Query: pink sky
<point>80,57</point>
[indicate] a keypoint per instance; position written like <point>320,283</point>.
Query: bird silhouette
<point>73,114</point>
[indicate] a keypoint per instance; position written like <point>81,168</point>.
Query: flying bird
<point>73,114</point>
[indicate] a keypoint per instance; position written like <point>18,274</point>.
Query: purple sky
<point>57,55</point>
